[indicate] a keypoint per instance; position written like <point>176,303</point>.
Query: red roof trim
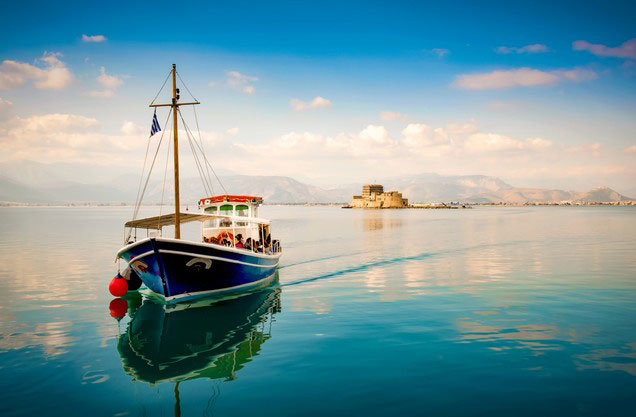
<point>232,199</point>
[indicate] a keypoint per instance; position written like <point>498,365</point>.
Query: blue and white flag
<point>155,125</point>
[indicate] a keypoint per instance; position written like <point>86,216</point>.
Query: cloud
<point>534,48</point>
<point>51,74</point>
<point>630,149</point>
<point>131,128</point>
<point>522,77</point>
<point>241,82</point>
<point>626,50</point>
<point>109,84</point>
<point>233,131</point>
<point>453,149</point>
<point>492,142</point>
<point>5,105</point>
<point>93,38</point>
<point>108,81</point>
<point>440,52</point>
<point>589,148</point>
<point>578,75</point>
<point>391,116</point>
<point>418,135</point>
<point>315,103</point>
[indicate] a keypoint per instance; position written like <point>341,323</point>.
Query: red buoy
<point>118,308</point>
<point>118,286</point>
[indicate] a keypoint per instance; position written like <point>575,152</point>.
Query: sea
<point>490,311</point>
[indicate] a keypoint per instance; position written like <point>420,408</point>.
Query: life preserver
<point>228,235</point>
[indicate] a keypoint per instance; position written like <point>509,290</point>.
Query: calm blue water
<point>490,311</point>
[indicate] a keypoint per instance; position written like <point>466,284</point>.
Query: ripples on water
<point>520,311</point>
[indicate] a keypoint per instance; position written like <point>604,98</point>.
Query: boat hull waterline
<point>180,269</point>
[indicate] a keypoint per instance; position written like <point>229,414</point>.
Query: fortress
<point>373,196</point>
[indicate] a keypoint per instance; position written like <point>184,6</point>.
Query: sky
<point>539,94</point>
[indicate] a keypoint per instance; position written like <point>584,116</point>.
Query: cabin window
<point>211,222</point>
<point>226,210</point>
<point>242,210</point>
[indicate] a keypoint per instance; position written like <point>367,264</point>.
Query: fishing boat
<point>234,251</point>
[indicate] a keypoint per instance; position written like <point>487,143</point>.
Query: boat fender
<point>118,286</point>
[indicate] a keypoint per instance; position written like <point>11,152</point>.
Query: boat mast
<point>175,129</point>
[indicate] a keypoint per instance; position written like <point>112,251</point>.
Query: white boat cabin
<point>230,231</point>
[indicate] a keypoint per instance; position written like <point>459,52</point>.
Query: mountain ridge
<point>17,186</point>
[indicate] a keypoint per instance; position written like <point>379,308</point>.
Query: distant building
<point>373,196</point>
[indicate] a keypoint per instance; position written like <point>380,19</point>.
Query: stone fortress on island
<point>373,196</point>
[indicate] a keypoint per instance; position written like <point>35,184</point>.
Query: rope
<point>209,188</point>
<point>206,185</point>
<point>138,204</point>
<point>208,162</point>
<point>194,108</point>
<point>141,178</point>
<point>163,187</point>
<point>184,84</point>
<point>163,85</point>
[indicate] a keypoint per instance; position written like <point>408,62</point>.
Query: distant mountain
<point>604,194</point>
<point>538,195</point>
<point>274,189</point>
<point>31,182</point>
<point>433,187</point>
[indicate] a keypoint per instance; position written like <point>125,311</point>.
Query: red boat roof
<point>232,199</point>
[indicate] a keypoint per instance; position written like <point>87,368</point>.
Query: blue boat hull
<point>178,269</point>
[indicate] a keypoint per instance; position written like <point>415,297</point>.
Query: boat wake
<point>326,258</point>
<point>360,268</point>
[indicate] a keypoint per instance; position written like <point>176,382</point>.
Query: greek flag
<point>155,125</point>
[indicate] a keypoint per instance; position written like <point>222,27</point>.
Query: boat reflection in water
<point>211,338</point>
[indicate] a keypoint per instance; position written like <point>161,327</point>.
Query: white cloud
<point>93,38</point>
<point>109,83</point>
<point>630,149</point>
<point>522,77</point>
<point>419,135</point>
<point>589,148</point>
<point>493,142</point>
<point>440,52</point>
<point>578,75</point>
<point>626,50</point>
<point>392,116</point>
<point>315,103</point>
<point>5,105</point>
<point>454,149</point>
<point>131,128</point>
<point>534,48</point>
<point>51,74</point>
<point>233,131</point>
<point>241,82</point>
